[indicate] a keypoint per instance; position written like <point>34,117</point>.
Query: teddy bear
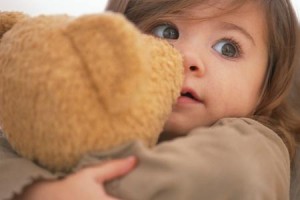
<point>74,85</point>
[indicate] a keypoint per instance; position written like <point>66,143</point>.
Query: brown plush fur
<point>8,19</point>
<point>70,86</point>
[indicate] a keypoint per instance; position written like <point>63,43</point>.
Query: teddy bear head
<point>70,86</point>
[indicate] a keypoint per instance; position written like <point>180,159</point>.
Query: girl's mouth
<point>188,96</point>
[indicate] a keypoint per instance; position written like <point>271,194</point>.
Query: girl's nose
<point>193,65</point>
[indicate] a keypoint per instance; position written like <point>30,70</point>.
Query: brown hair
<point>274,109</point>
<point>117,5</point>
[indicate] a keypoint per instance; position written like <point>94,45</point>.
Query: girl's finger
<point>113,169</point>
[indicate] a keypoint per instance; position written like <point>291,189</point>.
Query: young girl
<point>239,128</point>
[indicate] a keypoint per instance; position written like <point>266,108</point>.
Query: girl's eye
<point>227,48</point>
<point>165,31</point>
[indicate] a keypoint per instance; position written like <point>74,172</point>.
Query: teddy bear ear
<point>8,20</point>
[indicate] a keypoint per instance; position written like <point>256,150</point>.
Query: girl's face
<point>225,60</point>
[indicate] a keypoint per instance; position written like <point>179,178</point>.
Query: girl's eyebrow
<point>230,26</point>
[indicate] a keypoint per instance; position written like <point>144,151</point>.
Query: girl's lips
<point>187,100</point>
<point>188,96</point>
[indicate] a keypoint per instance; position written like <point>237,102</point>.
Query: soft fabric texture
<point>84,84</point>
<point>236,159</point>
<point>17,172</point>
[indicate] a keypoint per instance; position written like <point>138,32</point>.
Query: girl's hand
<point>84,184</point>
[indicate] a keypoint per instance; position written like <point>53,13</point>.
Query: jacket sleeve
<point>16,172</point>
<point>237,159</point>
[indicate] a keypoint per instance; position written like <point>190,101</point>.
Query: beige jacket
<point>236,159</point>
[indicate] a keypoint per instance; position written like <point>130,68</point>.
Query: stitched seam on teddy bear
<point>85,67</point>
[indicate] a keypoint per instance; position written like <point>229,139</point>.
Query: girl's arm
<point>236,159</point>
<point>21,179</point>
<point>84,184</point>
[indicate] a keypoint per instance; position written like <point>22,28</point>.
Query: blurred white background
<point>297,6</point>
<point>72,7</point>
<point>36,7</point>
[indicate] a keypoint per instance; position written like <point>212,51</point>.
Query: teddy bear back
<point>72,86</point>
